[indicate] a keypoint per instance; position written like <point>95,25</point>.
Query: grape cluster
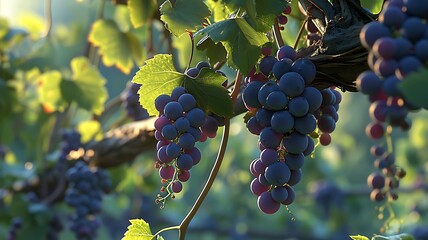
<point>84,194</point>
<point>180,125</point>
<point>15,226</point>
<point>284,118</point>
<point>130,100</point>
<point>314,35</point>
<point>326,115</point>
<point>282,18</point>
<point>398,46</point>
<point>55,227</point>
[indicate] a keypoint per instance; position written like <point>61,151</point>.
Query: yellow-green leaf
<point>116,47</point>
<point>138,230</point>
<point>359,237</point>
<point>414,88</point>
<point>157,76</point>
<point>49,91</point>
<point>90,130</point>
<point>141,11</point>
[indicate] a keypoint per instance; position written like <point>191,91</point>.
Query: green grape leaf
<point>49,91</point>
<point>140,11</point>
<point>138,230</point>
<point>414,88</point>
<point>157,76</point>
<point>266,12</point>
<point>87,86</point>
<point>184,15</point>
<point>359,237</point>
<point>116,47</point>
<point>209,93</point>
<point>4,27</point>
<point>214,51</point>
<point>241,41</point>
<point>218,9</point>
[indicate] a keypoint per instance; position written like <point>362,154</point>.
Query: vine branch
<point>186,221</point>
<point>277,34</point>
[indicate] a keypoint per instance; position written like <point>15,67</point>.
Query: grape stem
<point>277,34</point>
<point>214,171</point>
<point>388,138</point>
<point>299,35</point>
<point>48,16</point>
<point>192,41</point>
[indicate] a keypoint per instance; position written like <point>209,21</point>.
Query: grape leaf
<point>87,86</point>
<point>184,15</point>
<point>140,11</point>
<point>209,93</point>
<point>219,10</point>
<point>138,230</point>
<point>4,27</point>
<point>116,47</point>
<point>359,237</point>
<point>266,12</point>
<point>49,90</point>
<point>157,76</point>
<point>214,51</point>
<point>241,41</point>
<point>414,88</point>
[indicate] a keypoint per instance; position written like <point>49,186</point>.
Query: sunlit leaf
<point>49,91</point>
<point>116,47</point>
<point>90,130</point>
<point>138,230</point>
<point>184,15</point>
<point>140,11</point>
<point>359,237</point>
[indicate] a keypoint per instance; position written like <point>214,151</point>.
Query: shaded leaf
<point>87,87</point>
<point>209,93</point>
<point>214,51</point>
<point>266,12</point>
<point>241,41</point>
<point>414,88</point>
<point>116,47</point>
<point>184,15</point>
<point>138,230</point>
<point>140,11</point>
<point>157,76</point>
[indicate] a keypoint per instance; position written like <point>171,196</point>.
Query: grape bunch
<point>15,226</point>
<point>282,18</point>
<point>84,194</point>
<point>130,100</point>
<point>55,227</point>
<point>314,35</point>
<point>179,126</point>
<point>398,46</point>
<point>285,111</point>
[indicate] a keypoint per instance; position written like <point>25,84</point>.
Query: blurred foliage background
<point>332,199</point>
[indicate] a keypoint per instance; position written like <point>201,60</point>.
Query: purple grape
<point>176,187</point>
<point>269,156</point>
<point>295,143</point>
<point>187,101</point>
<point>305,68</point>
<point>282,121</point>
<point>294,161</point>
<point>269,138</point>
<point>173,110</point>
<point>298,106</point>
<point>292,84</point>
<point>286,52</point>
<point>313,97</point>
<point>185,162</point>
<point>279,194</point>
<point>266,203</point>
<point>257,188</point>
<point>253,126</point>
<point>186,141</point>
<point>281,67</point>
<point>276,100</point>
<point>266,65</point>
<point>277,173</point>
<point>166,172</point>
